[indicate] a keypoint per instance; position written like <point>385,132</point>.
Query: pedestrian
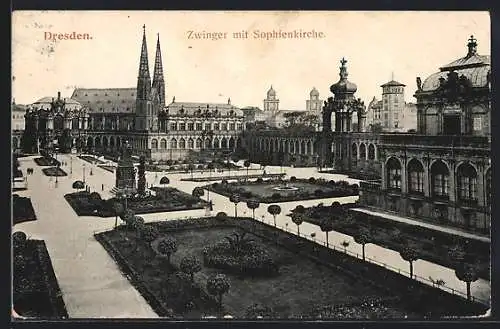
<point>102,188</point>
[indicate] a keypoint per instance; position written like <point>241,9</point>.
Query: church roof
<point>49,100</point>
<point>113,100</point>
<point>193,108</point>
<point>474,60</point>
<point>314,92</point>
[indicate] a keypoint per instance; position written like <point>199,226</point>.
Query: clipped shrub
<point>318,192</point>
<point>19,240</point>
<point>259,180</point>
<point>312,180</point>
<point>275,196</point>
<point>293,179</point>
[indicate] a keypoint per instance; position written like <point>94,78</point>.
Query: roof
<point>393,83</point>
<point>474,60</point>
<point>19,108</point>
<point>49,100</point>
<point>191,108</point>
<point>113,100</point>
<point>478,76</point>
<point>314,92</point>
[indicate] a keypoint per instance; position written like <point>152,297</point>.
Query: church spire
<point>144,79</point>
<point>158,80</point>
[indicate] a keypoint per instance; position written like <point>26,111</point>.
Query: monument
<point>125,171</point>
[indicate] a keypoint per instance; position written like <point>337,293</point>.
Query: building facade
<point>442,173</point>
<point>17,125</point>
<point>101,120</point>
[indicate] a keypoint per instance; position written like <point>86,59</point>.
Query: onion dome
<point>271,92</point>
<point>343,86</point>
<point>314,92</point>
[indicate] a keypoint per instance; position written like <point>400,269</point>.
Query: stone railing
<point>448,141</point>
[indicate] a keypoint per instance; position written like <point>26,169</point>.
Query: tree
<point>363,236</point>
<point>164,181</point>
<point>246,164</point>
<point>218,285</point>
<point>191,167</point>
<point>409,254</point>
<point>198,192</point>
<point>96,200</point>
<point>297,219</point>
<point>274,210</point>
<point>78,185</point>
<point>345,244</point>
<point>326,226</point>
<point>165,247</point>
<point>299,209</point>
<point>190,265</point>
<point>253,204</point>
<point>235,198</point>
<point>468,274</point>
<point>118,208</point>
<point>238,241</point>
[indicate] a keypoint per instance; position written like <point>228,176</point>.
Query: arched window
<point>216,143</point>
<point>440,179</point>
<point>354,151</point>
<point>173,143</point>
<point>223,143</point>
<point>371,152</point>
<point>163,143</point>
<point>467,182</point>
<point>198,143</point>
<point>182,143</point>
<point>207,143</point>
<point>190,143</point>
<point>415,177</point>
<point>154,144</point>
<point>362,151</point>
<point>393,173</point>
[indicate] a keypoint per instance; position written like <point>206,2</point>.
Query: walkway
<point>91,283</point>
<point>427,225</point>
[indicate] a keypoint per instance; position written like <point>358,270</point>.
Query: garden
<point>91,159</point>
<point>36,293</point>
<point>221,266</point>
<point>434,246</point>
<point>239,177</point>
<point>22,210</point>
<point>54,171</point>
<point>165,199</point>
<point>46,161</point>
<point>279,190</point>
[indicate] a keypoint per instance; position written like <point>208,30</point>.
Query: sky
<point>377,46</point>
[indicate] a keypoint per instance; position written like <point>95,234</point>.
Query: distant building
<point>442,173</point>
<point>392,113</point>
<point>17,124</point>
<point>314,106</point>
<point>271,103</point>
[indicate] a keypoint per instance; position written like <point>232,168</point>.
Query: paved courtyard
<point>92,284</point>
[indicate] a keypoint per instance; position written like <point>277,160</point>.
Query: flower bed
<point>91,159</point>
<point>300,189</point>
<point>54,171</point>
<point>45,161</point>
<point>311,279</point>
<point>22,210</point>
<point>239,177</point>
<point>355,174</point>
<point>432,245</point>
<point>167,199</point>
<point>35,290</point>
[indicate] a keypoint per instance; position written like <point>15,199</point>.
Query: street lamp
<point>83,166</point>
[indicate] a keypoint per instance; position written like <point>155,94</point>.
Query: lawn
<point>312,280</point>
<point>45,161</point>
<point>54,171</point>
<point>91,159</point>
<point>302,189</point>
<point>166,199</point>
<point>433,246</point>
<point>36,292</point>
<point>22,210</point>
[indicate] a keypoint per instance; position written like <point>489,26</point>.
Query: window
<point>216,126</point>
<point>182,126</point>
<point>477,123</point>
<point>190,126</point>
<point>182,143</point>
<point>467,182</point>
<point>488,187</point>
<point>173,126</point>
<point>231,126</point>
<point>394,173</point>
<point>223,126</point>
<point>198,126</point>
<point>440,179</point>
<point>190,143</point>
<point>239,126</point>
<point>416,176</point>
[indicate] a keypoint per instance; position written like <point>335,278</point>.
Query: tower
<point>143,93</point>
<point>271,103</point>
<point>313,104</point>
<point>393,102</point>
<point>158,80</point>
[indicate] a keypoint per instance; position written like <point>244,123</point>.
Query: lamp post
<point>83,166</point>
<point>71,164</point>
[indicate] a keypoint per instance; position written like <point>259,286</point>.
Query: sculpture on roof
<point>419,83</point>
